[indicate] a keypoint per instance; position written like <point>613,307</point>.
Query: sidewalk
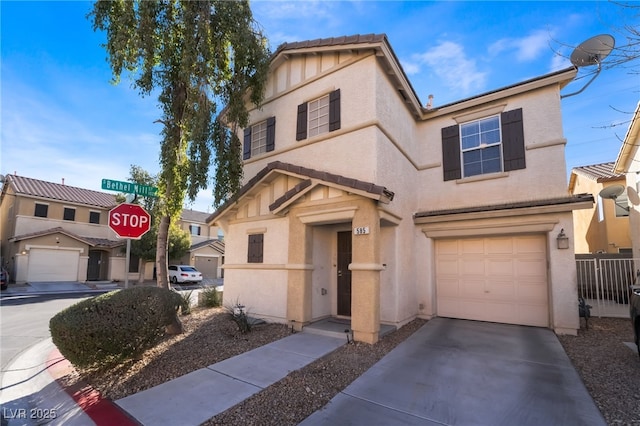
<point>31,395</point>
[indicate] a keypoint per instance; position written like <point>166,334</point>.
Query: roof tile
<point>55,191</point>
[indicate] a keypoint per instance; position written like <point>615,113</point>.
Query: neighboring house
<point>361,203</point>
<point>207,244</point>
<point>628,163</point>
<point>55,232</point>
<point>604,228</point>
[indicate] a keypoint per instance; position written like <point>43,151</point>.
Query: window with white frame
<point>318,116</point>
<point>259,138</point>
<point>481,145</point>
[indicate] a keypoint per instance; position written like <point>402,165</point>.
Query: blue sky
<point>61,117</point>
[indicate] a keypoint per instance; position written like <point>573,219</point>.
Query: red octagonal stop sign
<point>129,221</point>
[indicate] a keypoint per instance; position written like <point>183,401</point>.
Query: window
<point>622,205</point>
<point>319,116</point>
<point>94,217</point>
<point>256,248</point>
<point>481,147</point>
<point>194,229</point>
<point>41,210</point>
<point>488,145</point>
<point>259,138</point>
<point>69,214</point>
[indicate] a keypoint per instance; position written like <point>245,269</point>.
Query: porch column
<point>365,274</point>
<point>299,273</point>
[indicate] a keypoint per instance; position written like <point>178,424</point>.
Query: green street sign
<point>129,188</point>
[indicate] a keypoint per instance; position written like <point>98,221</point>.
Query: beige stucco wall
<point>593,235</point>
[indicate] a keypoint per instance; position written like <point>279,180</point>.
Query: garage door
<point>502,279</point>
<point>53,265</point>
<point>208,266</point>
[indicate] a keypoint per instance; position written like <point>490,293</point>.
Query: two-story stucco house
<point>51,232</point>
<point>604,228</point>
<point>362,204</point>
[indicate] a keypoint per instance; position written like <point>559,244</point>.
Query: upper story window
<point>259,138</point>
<point>488,145</point>
<point>481,148</point>
<point>94,217</point>
<point>194,229</point>
<point>321,115</point>
<point>41,210</point>
<point>69,214</point>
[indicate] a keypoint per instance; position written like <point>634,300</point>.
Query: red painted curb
<point>102,411</point>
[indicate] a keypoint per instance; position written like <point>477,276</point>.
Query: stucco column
<point>365,274</point>
<point>299,273</point>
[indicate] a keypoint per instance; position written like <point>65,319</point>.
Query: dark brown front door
<point>344,274</point>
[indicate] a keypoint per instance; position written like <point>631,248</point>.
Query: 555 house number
<point>361,230</point>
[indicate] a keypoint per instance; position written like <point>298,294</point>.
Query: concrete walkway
<point>456,372</point>
<point>196,397</point>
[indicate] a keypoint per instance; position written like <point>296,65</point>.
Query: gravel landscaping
<point>609,369</point>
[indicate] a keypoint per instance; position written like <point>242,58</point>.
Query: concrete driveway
<point>456,372</point>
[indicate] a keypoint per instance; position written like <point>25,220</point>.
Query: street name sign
<point>129,188</point>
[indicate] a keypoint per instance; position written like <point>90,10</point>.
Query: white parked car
<point>184,274</point>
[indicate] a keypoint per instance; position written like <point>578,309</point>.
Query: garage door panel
<point>447,247</point>
<point>499,280</point>
<point>500,267</point>
<point>531,244</point>
<point>472,267</point>
<point>472,246</point>
<point>499,246</point>
<point>448,266</point>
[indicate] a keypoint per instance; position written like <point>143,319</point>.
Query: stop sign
<point>129,221</point>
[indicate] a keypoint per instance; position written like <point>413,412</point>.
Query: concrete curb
<point>31,393</point>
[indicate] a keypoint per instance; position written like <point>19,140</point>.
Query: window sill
<point>478,178</point>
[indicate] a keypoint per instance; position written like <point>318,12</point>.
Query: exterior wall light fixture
<point>563,240</point>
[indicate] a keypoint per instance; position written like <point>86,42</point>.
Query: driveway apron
<point>457,372</point>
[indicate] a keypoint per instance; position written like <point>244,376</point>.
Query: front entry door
<point>93,266</point>
<point>344,274</point>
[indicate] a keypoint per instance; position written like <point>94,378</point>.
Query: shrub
<point>185,302</point>
<point>112,327</point>
<point>209,297</point>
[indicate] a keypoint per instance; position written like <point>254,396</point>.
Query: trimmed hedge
<point>112,327</point>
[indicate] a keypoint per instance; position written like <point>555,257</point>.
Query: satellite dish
<point>612,192</point>
<point>591,52</point>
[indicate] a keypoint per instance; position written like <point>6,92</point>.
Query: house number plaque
<point>361,230</point>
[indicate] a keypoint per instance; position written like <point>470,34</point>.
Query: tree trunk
<point>142,264</point>
<point>161,252</point>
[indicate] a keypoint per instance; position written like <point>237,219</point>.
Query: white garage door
<point>53,265</point>
<point>502,279</point>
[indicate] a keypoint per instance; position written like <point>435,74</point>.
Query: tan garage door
<point>208,266</point>
<point>502,279</point>
<point>53,265</point>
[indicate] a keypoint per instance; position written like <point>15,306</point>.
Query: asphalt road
<point>24,321</point>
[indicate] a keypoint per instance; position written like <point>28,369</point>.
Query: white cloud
<point>449,62</point>
<point>526,48</point>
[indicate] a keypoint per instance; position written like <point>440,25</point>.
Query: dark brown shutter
<point>246,154</point>
<point>513,140</point>
<point>334,110</point>
<point>451,153</point>
<point>271,133</point>
<point>301,129</point>
<point>256,244</point>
